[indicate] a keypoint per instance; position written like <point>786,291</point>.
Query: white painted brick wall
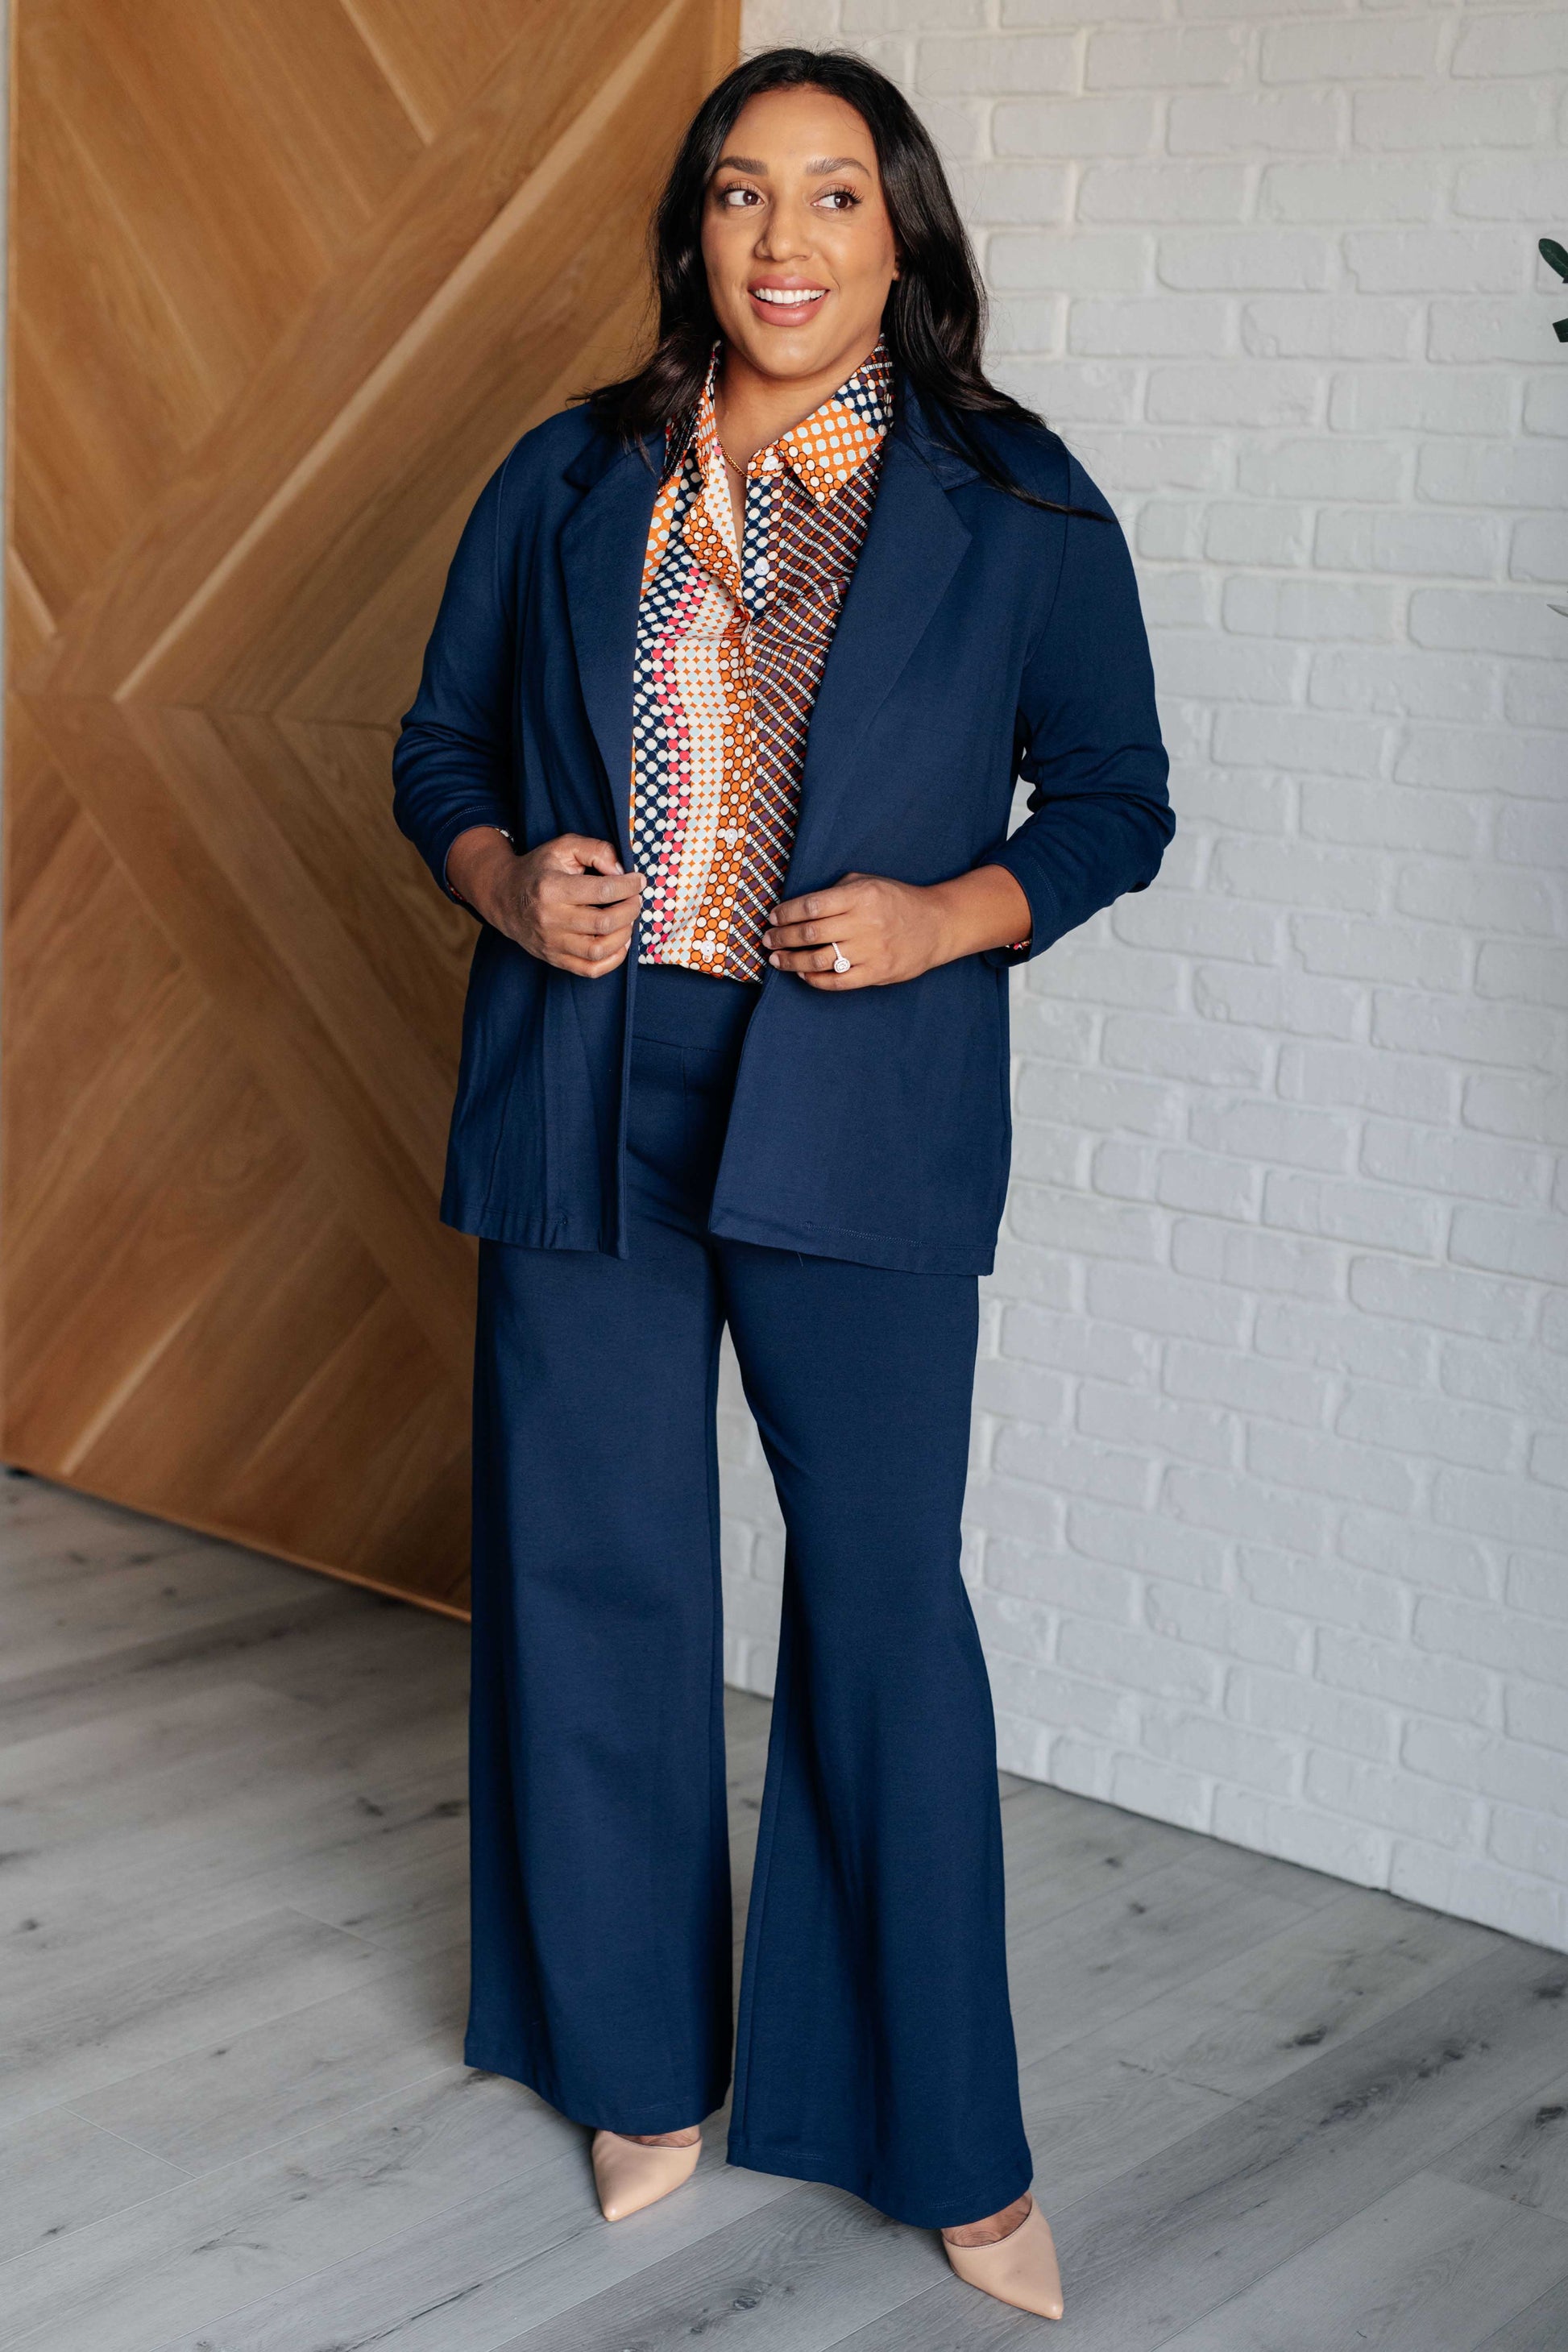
<point>1267,1529</point>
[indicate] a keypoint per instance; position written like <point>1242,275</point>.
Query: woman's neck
<point>751,409</point>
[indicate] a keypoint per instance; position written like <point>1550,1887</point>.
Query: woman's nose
<point>784,234</point>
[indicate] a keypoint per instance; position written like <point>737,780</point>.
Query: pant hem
<point>628,2120</point>
<point>968,2201</point>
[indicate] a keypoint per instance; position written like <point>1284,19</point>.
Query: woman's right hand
<point>569,902</point>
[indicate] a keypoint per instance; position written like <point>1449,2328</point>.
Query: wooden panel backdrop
<point>287,277</point>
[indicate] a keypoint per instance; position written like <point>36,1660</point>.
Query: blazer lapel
<point>913,546</point>
<point>602,551</point>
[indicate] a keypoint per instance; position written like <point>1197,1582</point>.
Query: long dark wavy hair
<point>934,321</point>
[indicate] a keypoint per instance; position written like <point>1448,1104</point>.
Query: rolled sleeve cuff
<point>1022,863</point>
<point>440,849</point>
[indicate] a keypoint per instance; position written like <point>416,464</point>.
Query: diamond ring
<point>840,961</point>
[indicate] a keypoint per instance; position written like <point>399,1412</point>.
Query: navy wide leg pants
<point>875,2044</point>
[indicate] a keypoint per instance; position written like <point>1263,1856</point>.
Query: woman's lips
<point>786,306</point>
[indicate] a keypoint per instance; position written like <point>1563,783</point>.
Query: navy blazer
<point>981,639</point>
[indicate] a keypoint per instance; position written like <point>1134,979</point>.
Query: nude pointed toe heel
<point>1020,2269</point>
<point>629,2176</point>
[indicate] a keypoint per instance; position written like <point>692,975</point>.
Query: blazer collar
<point>913,423</point>
<point>601,452</point>
<point>915,543</point>
<point>602,549</point>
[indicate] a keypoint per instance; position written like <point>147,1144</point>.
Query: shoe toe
<point>629,2176</point>
<point>1020,2269</point>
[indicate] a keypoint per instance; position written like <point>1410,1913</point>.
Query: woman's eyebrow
<point>815,170</point>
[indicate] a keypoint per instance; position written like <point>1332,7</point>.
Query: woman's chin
<point>790,354</point>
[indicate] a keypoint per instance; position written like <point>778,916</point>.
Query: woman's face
<point>796,237</point>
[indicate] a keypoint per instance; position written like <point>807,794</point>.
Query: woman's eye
<point>838,200</point>
<point>737,198</point>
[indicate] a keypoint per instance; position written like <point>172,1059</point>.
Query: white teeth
<point>788,294</point>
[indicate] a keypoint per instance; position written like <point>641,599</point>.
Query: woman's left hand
<point>893,931</point>
<point>888,931</point>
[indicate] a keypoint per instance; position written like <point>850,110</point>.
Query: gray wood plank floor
<point>1271,2113</point>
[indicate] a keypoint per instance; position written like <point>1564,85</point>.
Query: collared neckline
<point>824,449</point>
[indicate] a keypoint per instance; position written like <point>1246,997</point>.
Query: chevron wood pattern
<point>288,278</point>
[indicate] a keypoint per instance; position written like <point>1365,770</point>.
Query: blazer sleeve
<point>452,763</point>
<point>1087,738</point>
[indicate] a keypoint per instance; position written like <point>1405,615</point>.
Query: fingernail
<point>772,960</point>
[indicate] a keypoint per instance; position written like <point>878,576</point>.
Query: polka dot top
<point>730,647</point>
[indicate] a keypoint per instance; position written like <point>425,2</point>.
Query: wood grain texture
<point>233,2117</point>
<point>1431,2262</point>
<point>1543,2328</point>
<point>1524,2156</point>
<point>288,278</point>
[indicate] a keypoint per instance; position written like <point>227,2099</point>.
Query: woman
<point>717,734</point>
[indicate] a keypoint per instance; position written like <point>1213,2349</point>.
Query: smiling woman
<point>800,257</point>
<point>736,668</point>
